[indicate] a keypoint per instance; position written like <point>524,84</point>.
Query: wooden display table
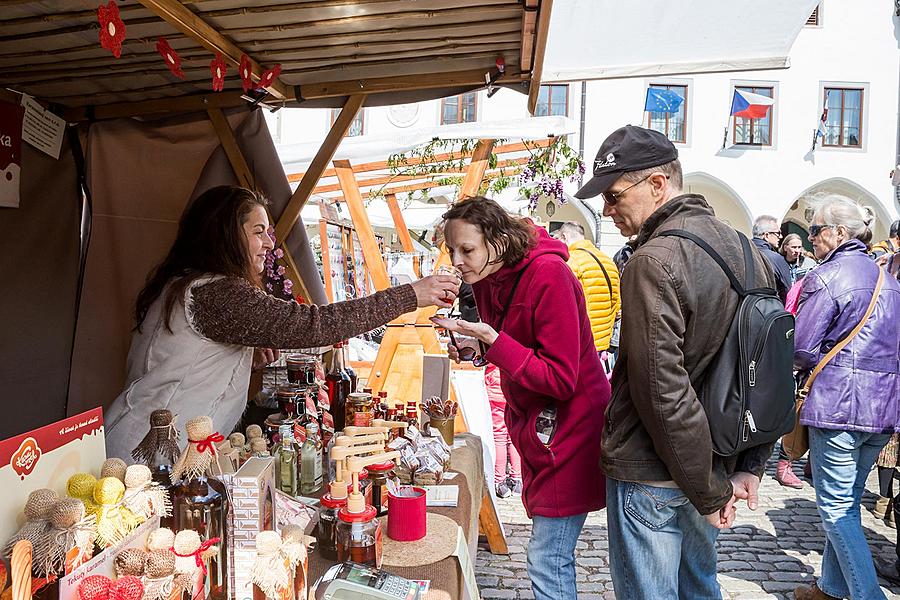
<point>445,575</point>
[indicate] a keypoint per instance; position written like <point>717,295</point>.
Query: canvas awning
<point>607,39</point>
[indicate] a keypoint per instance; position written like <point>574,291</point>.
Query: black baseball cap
<point>627,149</point>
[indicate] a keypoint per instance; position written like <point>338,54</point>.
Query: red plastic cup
<point>406,516</point>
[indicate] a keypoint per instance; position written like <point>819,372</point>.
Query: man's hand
<point>746,487</point>
<point>724,518</point>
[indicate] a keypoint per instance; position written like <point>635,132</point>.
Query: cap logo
<point>609,162</point>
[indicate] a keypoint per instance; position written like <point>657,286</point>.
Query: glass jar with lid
<point>360,409</point>
<point>301,369</point>
<point>359,537</point>
<point>379,474</point>
<point>326,528</point>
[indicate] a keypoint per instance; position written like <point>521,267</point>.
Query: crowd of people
<point>601,363</point>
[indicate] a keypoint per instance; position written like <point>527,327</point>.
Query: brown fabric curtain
<point>39,259</point>
<point>141,175</point>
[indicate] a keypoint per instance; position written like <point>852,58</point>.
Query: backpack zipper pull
<point>752,376</point>
<point>750,422</point>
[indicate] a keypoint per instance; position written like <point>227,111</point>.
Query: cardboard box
<point>46,458</point>
<point>251,493</point>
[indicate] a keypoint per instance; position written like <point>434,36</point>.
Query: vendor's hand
<point>479,331</point>
<point>264,356</point>
<point>746,487</point>
<point>436,290</point>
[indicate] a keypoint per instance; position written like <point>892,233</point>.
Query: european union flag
<point>659,100</point>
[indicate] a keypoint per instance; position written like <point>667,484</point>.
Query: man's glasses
<point>815,230</point>
<point>774,232</point>
<point>611,198</point>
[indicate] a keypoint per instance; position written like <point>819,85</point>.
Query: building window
<point>552,100</point>
<point>813,20</point>
<point>459,109</point>
<point>673,125</point>
<point>754,132</point>
<point>843,121</point>
<point>357,126</point>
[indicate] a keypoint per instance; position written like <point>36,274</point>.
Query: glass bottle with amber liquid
<point>351,374</point>
<point>338,382</point>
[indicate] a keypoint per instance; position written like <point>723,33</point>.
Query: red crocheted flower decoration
<point>112,28</point>
<point>269,76</point>
<point>218,68</point>
<point>246,72</point>
<point>173,61</point>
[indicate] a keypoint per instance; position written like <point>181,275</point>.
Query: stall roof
<point>606,39</point>
<point>393,50</point>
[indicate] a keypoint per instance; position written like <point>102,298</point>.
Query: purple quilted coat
<point>859,390</point>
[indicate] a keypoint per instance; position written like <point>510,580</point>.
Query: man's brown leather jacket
<point>677,306</point>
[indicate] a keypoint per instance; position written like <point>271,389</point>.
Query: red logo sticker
<point>26,458</point>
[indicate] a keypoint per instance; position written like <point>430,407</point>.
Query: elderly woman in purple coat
<point>853,406</point>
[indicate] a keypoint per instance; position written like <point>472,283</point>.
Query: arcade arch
<point>800,212</point>
<point>728,205</point>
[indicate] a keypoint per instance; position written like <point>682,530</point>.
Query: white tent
<point>605,39</point>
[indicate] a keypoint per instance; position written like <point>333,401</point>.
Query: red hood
<point>499,283</point>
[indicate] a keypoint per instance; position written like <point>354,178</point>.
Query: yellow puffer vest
<point>602,302</point>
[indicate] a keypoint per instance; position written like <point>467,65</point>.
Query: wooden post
<point>245,178</point>
<point>402,231</point>
<point>317,166</point>
<point>475,171</point>
<point>326,259</point>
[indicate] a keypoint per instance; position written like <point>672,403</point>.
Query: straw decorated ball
<point>137,476</point>
<point>39,503</point>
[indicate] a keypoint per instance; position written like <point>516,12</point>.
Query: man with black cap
<point>668,495</point>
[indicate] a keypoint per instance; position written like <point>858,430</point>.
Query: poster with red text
<point>46,458</point>
<point>11,116</point>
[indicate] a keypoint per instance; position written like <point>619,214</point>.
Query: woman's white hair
<point>841,211</point>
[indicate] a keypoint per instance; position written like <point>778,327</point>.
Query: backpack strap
<point>602,268</point>
<point>748,259</point>
<point>841,344</point>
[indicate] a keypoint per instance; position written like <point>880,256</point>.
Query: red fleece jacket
<point>546,354</point>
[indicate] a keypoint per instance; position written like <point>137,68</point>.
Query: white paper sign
<point>441,495</point>
<point>41,128</point>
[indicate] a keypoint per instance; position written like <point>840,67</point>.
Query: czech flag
<point>749,105</point>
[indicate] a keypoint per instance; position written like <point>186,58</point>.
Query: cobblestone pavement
<point>765,555</point>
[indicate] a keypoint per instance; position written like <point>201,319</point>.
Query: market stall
<point>128,112</point>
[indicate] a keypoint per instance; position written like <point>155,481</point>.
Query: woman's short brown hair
<point>510,237</point>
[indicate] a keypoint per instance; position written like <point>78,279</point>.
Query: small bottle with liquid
<point>286,463</point>
<point>311,461</point>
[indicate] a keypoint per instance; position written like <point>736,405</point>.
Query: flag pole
<point>728,120</point>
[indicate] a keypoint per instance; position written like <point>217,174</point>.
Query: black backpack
<point>748,389</point>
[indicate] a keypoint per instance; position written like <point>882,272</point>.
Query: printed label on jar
<point>362,419</point>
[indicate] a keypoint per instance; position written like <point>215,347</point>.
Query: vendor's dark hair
<point>210,240</point>
<point>510,237</point>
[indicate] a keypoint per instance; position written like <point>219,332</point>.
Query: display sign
<point>46,458</point>
<point>41,128</point>
<point>11,116</point>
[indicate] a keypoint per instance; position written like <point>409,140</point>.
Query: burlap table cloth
<point>446,578</point>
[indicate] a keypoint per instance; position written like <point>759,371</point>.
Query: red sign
<point>23,452</point>
<point>11,116</point>
<point>26,458</point>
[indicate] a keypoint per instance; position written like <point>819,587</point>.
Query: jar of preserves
<point>379,474</point>
<point>359,537</point>
<point>301,369</point>
<point>359,409</point>
<point>326,528</point>
<point>289,399</point>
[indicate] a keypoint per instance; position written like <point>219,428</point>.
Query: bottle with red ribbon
<point>200,501</point>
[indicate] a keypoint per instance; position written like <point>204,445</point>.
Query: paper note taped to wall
<point>42,129</point>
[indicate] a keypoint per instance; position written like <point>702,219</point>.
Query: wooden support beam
<point>526,46</point>
<point>149,107</point>
<point>189,23</point>
<point>540,47</point>
<point>371,253</point>
<point>246,179</point>
<point>381,165</point>
<point>403,83</point>
<point>326,152</point>
<point>326,259</point>
<point>477,166</point>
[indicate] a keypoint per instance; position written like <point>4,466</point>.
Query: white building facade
<point>849,51</point>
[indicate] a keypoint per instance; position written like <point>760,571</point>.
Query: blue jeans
<point>659,545</point>
<point>551,556</point>
<point>841,461</point>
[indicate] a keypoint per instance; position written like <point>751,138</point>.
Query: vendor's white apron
<point>182,371</point>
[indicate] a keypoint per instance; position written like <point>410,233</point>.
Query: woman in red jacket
<point>535,328</point>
